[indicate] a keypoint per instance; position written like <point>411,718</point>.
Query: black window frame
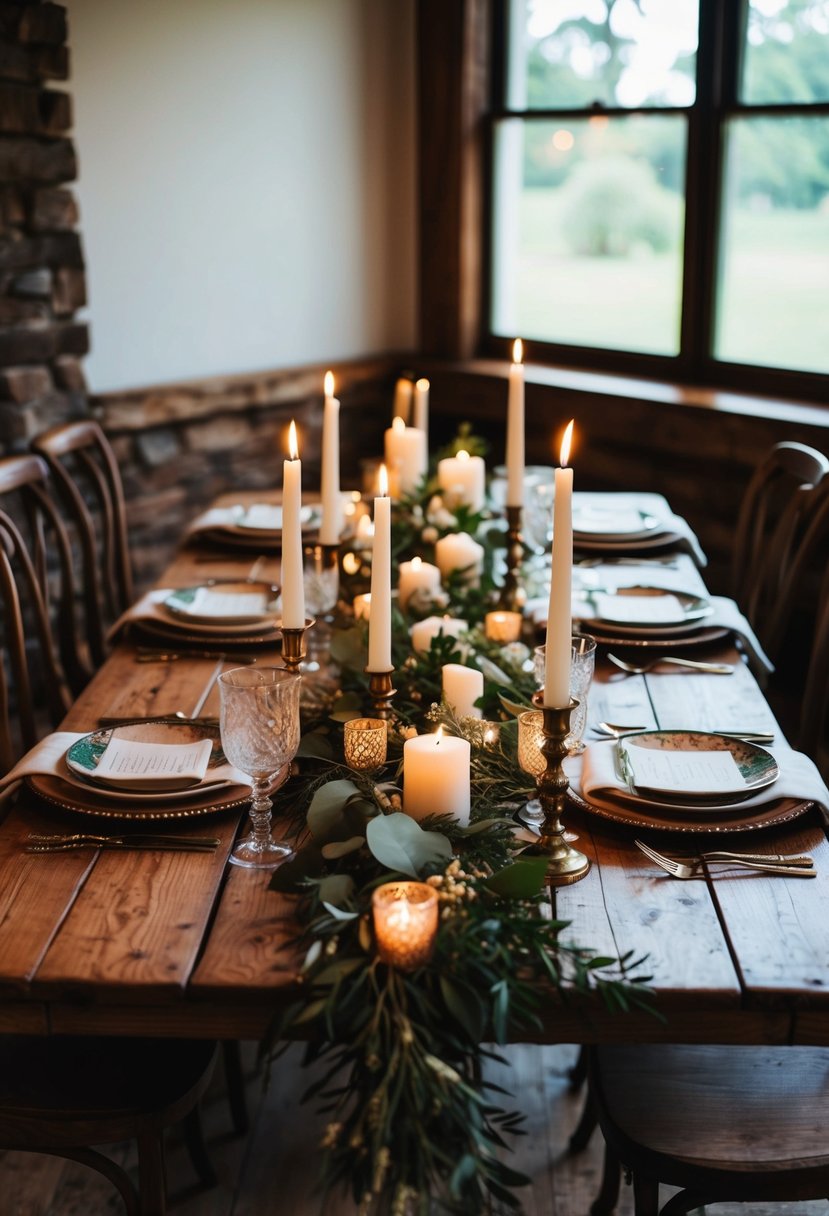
<point>721,38</point>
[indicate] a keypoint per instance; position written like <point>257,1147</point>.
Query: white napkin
<point>46,759</point>
<point>799,779</point>
<point>151,608</point>
<point>727,615</point>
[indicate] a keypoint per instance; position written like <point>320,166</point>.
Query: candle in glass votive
<point>559,613</point>
<point>515,428</point>
<point>436,777</point>
<point>405,918</point>
<point>462,479</point>
<point>418,578</point>
<point>462,686</point>
<point>362,606</point>
<point>406,454</point>
<point>365,743</point>
<point>421,406</point>
<point>292,577</point>
<point>331,525</point>
<point>503,626</point>
<point>379,622</point>
<point>459,551</point>
<point>430,627</point>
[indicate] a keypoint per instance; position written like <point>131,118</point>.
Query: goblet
<point>530,759</point>
<point>582,666</point>
<point>259,724</point>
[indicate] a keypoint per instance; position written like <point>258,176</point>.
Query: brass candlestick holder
<point>381,692</point>
<point>566,864</point>
<point>293,643</point>
<point>513,596</point>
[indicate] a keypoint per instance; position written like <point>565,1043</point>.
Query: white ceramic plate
<point>754,769</point>
<point>222,602</point>
<point>672,610</point>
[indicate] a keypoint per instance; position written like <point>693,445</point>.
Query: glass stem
<point>260,811</point>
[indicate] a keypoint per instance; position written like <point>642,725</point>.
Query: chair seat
<point>722,1120</point>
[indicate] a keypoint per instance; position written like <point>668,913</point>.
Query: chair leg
<point>686,1201</point>
<point>102,1165</point>
<point>645,1196</point>
<point>578,1073</point>
<point>608,1196</point>
<point>585,1127</point>
<point>235,1083</point>
<point>196,1147</point>
<point>152,1189</point>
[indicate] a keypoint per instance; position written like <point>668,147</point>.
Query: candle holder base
<point>381,692</point>
<point>565,864</point>
<point>513,596</point>
<point>293,643</point>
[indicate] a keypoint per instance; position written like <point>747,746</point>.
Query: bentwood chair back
<point>774,515</point>
<point>814,715</point>
<point>88,481</point>
<point>35,591</point>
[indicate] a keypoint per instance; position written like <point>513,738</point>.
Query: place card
<point>127,764</point>
<point>226,604</point>
<point>684,772</point>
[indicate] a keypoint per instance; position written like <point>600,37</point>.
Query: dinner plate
<point>659,818</point>
<point>225,602</point>
<point>610,524</point>
<point>682,641</point>
<point>100,803</point>
<point>690,609</point>
<point>754,769</point>
<point>181,636</point>
<point>83,757</point>
<point>267,517</point>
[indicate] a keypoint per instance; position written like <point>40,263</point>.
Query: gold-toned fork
<point>38,842</point>
<point>793,867</point>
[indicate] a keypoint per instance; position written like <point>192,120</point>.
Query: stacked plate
<point>253,526</point>
<point>156,769</point>
<point>614,528</point>
<point>648,616</point>
<point>216,613</point>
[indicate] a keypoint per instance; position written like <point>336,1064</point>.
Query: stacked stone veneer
<point>41,261</point>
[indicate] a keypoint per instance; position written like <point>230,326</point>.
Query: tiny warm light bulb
<point>328,384</point>
<point>383,482</point>
<point>518,351</point>
<point>398,424</point>
<point>565,444</point>
<point>293,445</point>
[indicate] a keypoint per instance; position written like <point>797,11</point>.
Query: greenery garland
<point>412,1123</point>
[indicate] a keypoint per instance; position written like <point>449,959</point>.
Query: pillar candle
<point>462,479</point>
<point>559,618</point>
<point>418,577</point>
<point>406,454</point>
<point>293,587</point>
<point>402,399</point>
<point>462,686</point>
<point>515,428</point>
<point>458,551</point>
<point>436,777</point>
<point>332,508</point>
<point>362,606</point>
<point>379,623</point>
<point>420,417</point>
<point>423,631</point>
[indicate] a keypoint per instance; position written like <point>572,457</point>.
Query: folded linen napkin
<point>151,608</point>
<point>799,779</point>
<point>46,759</point>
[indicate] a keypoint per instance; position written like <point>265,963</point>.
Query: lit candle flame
<point>565,444</point>
<point>417,562</point>
<point>383,481</point>
<point>438,735</point>
<point>328,384</point>
<point>463,454</point>
<point>398,424</point>
<point>293,445</point>
<point>422,385</point>
<point>518,351</point>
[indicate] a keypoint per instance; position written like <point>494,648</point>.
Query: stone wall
<point>42,281</point>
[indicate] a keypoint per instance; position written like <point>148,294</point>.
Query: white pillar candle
<point>420,417</point>
<point>418,577</point>
<point>331,525</point>
<point>559,618</point>
<point>406,455</point>
<point>379,624</point>
<point>458,551</point>
<point>362,607</point>
<point>462,479</point>
<point>436,777</point>
<point>462,686</point>
<point>515,428</point>
<point>293,586</point>
<point>402,399</point>
<point>423,631</point>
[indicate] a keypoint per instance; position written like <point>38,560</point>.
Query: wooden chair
<point>86,476</point>
<point>814,715</point>
<point>774,514</point>
<point>739,1124</point>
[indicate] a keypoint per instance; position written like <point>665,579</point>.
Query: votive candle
<point>405,916</point>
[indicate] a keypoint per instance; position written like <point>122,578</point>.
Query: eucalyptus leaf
<point>514,707</point>
<point>400,843</point>
<point>336,889</point>
<point>348,647</point>
<point>523,879</point>
<point>326,817</point>
<point>341,848</point>
<point>483,825</point>
<point>315,746</point>
<point>338,913</point>
<point>493,672</point>
<point>293,875</point>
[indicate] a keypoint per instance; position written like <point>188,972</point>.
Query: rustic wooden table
<point>182,944</point>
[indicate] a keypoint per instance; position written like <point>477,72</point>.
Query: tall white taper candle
<point>332,508</point>
<point>515,428</point>
<point>293,588</point>
<point>559,614</point>
<point>379,625</point>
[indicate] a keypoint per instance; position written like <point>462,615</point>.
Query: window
<point>660,186</point>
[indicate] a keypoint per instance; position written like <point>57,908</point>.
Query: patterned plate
<point>83,757</point>
<point>755,768</point>
<point>244,601</point>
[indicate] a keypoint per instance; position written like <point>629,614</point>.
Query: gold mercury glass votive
<point>365,743</point>
<point>503,626</point>
<point>405,923</point>
<point>530,738</point>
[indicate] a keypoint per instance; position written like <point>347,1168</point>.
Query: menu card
<point>684,772</point>
<point>127,764</point>
<point>227,604</point>
<point>656,609</point>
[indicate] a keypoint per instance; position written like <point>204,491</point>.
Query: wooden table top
<point>183,944</point>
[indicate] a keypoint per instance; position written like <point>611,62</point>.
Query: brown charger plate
<point>775,812</point>
<point>56,792</point>
<point>177,636</point>
<point>701,637</point>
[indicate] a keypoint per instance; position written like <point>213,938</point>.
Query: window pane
<point>786,56</point>
<point>568,54</point>
<point>588,231</point>
<point>773,307</point>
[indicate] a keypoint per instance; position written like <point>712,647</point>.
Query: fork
<point>60,843</point>
<point>714,669</point>
<point>794,867</point>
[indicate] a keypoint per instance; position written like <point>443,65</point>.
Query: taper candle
<point>293,588</point>
<point>331,525</point>
<point>420,417</point>
<point>559,613</point>
<point>515,428</point>
<point>402,399</point>
<point>379,622</point>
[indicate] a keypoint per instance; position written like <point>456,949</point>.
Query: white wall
<point>246,182</point>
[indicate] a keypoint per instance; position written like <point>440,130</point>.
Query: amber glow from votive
<point>405,923</point>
